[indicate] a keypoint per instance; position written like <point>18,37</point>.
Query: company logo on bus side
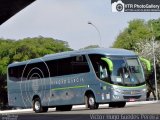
<point>67,81</point>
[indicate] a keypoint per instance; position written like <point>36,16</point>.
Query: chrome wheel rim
<point>37,105</point>
<point>91,101</point>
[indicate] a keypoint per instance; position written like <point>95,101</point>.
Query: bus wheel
<point>91,102</point>
<point>86,102</point>
<point>37,105</point>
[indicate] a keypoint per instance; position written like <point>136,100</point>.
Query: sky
<point>67,20</point>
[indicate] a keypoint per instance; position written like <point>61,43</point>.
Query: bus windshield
<point>127,72</point>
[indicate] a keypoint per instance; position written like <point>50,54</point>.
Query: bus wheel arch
<point>90,100</point>
<point>35,96</point>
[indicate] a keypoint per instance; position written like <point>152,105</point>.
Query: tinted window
<point>53,67</point>
<point>66,66</point>
<point>79,65</point>
<point>36,71</point>
<point>72,65</point>
<point>29,72</point>
<point>15,73</point>
<point>100,67</point>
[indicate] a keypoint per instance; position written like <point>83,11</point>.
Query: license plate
<point>133,92</point>
<point>132,100</point>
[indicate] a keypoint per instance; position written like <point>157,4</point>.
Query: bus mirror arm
<point>109,62</point>
<point>147,63</point>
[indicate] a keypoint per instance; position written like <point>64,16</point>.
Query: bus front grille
<point>132,97</point>
<point>131,92</point>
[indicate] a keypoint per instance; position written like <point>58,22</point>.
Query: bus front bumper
<point>128,95</point>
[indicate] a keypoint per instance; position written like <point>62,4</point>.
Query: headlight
<point>144,90</point>
<point>116,97</point>
<point>116,90</point>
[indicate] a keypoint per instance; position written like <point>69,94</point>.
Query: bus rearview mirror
<point>109,62</point>
<point>147,63</point>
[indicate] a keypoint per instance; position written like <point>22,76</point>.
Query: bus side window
<point>100,67</point>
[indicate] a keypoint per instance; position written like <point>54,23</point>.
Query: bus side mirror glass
<point>109,63</point>
<point>147,63</point>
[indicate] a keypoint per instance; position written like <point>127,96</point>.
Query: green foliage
<point>154,25</point>
<point>21,50</point>
<point>138,36</point>
<point>137,30</point>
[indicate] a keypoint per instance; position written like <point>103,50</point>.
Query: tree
<point>24,49</point>
<point>138,37</point>
<point>155,29</point>
<point>145,49</point>
<point>137,30</point>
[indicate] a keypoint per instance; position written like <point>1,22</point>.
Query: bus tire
<point>37,107</point>
<point>91,102</point>
<point>86,102</point>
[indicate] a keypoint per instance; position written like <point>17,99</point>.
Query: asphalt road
<point>150,111</point>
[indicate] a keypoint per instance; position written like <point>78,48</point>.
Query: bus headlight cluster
<point>115,97</point>
<point>117,90</point>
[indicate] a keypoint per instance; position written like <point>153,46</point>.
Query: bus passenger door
<point>103,69</point>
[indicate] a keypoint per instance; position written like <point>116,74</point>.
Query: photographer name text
<point>124,117</point>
